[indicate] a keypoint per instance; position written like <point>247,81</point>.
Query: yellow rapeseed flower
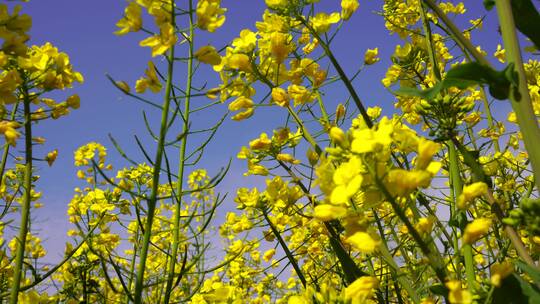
<point>348,7</point>
<point>476,229</point>
<point>208,54</point>
<point>370,57</point>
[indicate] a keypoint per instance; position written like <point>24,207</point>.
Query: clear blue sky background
<point>84,30</point>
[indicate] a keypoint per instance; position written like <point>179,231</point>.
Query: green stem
<point>5,153</point>
<point>18,272</point>
<point>434,258</point>
<point>455,177</point>
<point>457,188</point>
<point>152,200</point>
<point>519,97</point>
<point>456,33</point>
<point>285,248</point>
<point>305,132</point>
<point>181,166</point>
<point>340,72</point>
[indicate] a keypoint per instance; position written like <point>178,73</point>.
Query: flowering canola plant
<point>435,203</point>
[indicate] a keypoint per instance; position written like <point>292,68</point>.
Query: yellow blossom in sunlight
<point>280,46</point>
<point>424,225</point>
<point>9,81</point>
<point>123,86</point>
<point>276,4</point>
<point>210,15</point>
<point>132,21</point>
<point>348,7</point>
<point>246,42</point>
<point>208,54</point>
<point>327,212</point>
<point>471,192</point>
<point>361,289</point>
<point>262,143</point>
<point>240,62</point>
<point>426,150</point>
<point>448,7</point>
<point>373,112</point>
<point>348,179</point>
<point>241,103</point>
<point>369,140</point>
<point>476,230</point>
<point>7,128</point>
<point>370,57</point>
<point>51,157</point>
<point>499,271</point>
<point>404,182</point>
<point>73,101</point>
<point>338,136</point>
<point>3,59</point>
<point>267,256</point>
<point>151,80</point>
<point>300,94</point>
<point>321,22</point>
<point>456,294</point>
<point>287,158</point>
<point>363,242</point>
<point>500,54</point>
<point>280,97</point>
<point>162,42</point>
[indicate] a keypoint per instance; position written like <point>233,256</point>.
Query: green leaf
<point>527,19</point>
<point>489,4</point>
<point>428,94</point>
<point>515,290</point>
<point>467,75</point>
<point>531,271</point>
<point>439,290</point>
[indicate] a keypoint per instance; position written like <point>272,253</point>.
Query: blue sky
<point>84,30</point>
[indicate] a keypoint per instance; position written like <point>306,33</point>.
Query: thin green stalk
<point>305,131</point>
<point>18,272</point>
<point>181,165</point>
<point>455,177</point>
<point>519,97</point>
<point>340,72</point>
<point>387,257</point>
<point>325,117</point>
<point>456,33</point>
<point>285,248</point>
<point>457,187</point>
<point>434,257</point>
<point>5,153</point>
<point>152,200</point>
<point>399,276</point>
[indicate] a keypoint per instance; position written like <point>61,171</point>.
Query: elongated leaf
<point>527,20</point>
<point>515,290</point>
<point>467,75</point>
<point>532,272</point>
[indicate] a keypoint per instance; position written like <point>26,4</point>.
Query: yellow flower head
<point>476,229</point>
<point>370,57</point>
<point>363,242</point>
<point>208,54</point>
<point>321,22</point>
<point>471,192</point>
<point>210,15</point>
<point>132,21</point>
<point>328,212</point>
<point>499,271</point>
<point>348,7</point>
<point>151,80</point>
<point>162,42</point>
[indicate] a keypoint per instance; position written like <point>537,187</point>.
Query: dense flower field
<point>436,202</point>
